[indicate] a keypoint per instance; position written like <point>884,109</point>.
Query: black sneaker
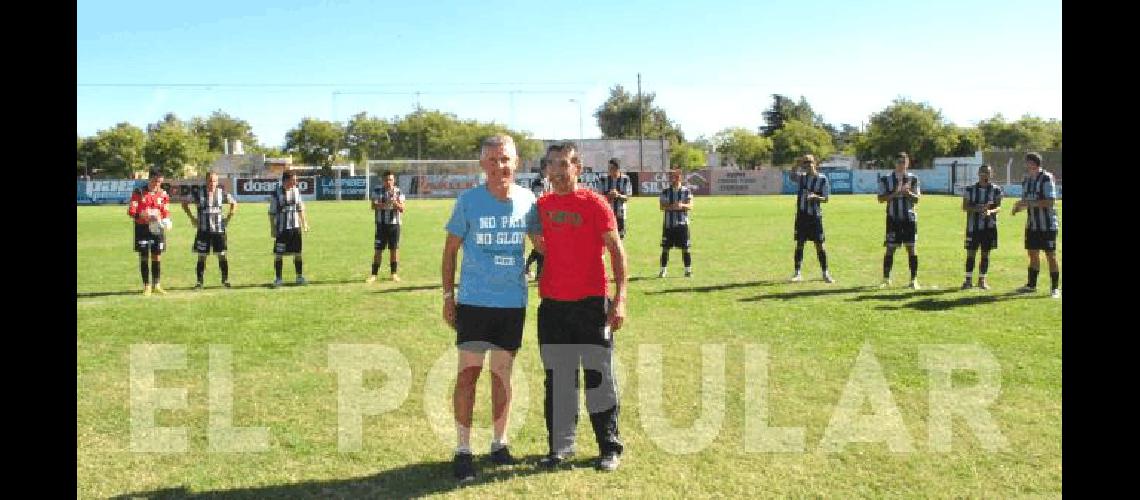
<point>609,461</point>
<point>502,456</point>
<point>463,467</point>
<point>555,460</point>
<point>198,286</point>
<point>227,284</point>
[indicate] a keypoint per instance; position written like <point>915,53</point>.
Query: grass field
<point>280,342</point>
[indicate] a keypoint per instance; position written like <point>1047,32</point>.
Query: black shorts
<point>288,242</point>
<point>1041,240</point>
<point>621,227</point>
<point>809,227</point>
<point>146,241</point>
<point>986,239</point>
<point>387,236</point>
<point>675,237</point>
<point>480,328</point>
<point>901,232</point>
<point>574,322</point>
<point>206,242</point>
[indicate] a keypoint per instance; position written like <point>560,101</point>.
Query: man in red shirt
<point>150,206</point>
<point>576,320</point>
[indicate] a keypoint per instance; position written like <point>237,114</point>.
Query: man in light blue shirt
<point>490,222</point>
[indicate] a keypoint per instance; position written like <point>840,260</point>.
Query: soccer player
<point>388,203</point>
<point>676,201</point>
<point>900,191</point>
<point>1038,194</point>
<point>813,190</point>
<point>211,226</point>
<point>490,222</point>
<point>286,222</point>
<point>576,320</point>
<point>148,209</point>
<point>981,202</point>
<point>617,188</point>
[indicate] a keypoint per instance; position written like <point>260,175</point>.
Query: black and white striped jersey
<point>286,207</point>
<point>812,184</point>
<point>210,204</point>
<point>1040,187</point>
<point>384,197</point>
<point>977,195</point>
<point>623,186</point>
<point>670,195</point>
<point>901,208</point>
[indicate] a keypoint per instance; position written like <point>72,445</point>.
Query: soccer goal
<point>426,178</point>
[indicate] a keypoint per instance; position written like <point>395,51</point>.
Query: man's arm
<point>686,205</point>
<point>233,208</point>
<point>915,191</point>
<point>447,271</point>
<point>884,196</point>
<point>186,208</point>
<point>301,213</point>
<point>537,241</point>
<point>616,314</point>
<point>826,192</point>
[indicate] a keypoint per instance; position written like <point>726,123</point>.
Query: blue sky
<point>712,64</point>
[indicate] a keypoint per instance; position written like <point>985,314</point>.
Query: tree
<point>432,134</point>
<point>1028,133</point>
<point>219,127</point>
<point>783,110</point>
<point>618,118</point>
<point>367,138</point>
<point>915,128</point>
<point>172,146</point>
<point>687,156</point>
<point>967,140</point>
<point>748,148</point>
<point>316,142</point>
<point>117,152</point>
<point>798,138</point>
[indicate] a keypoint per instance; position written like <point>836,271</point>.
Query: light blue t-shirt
<point>494,234</point>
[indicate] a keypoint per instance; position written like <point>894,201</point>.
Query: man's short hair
<point>985,166</point>
<point>288,174</point>
<point>566,147</point>
<point>497,140</point>
<point>156,172</point>
<point>615,163</point>
<point>1034,157</point>
<point>386,174</point>
<point>902,156</point>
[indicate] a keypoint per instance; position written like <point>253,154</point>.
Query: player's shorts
<point>809,227</point>
<point>288,242</point>
<point>901,232</point>
<point>985,239</point>
<point>1041,240</point>
<point>480,328</point>
<point>146,241</point>
<point>206,242</point>
<point>387,236</point>
<point>675,237</point>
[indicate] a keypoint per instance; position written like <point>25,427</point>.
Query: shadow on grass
<point>938,304</point>
<point>805,293</point>
<point>410,288</point>
<point>267,285</point>
<point>409,481</point>
<point>902,295</point>
<point>716,288</point>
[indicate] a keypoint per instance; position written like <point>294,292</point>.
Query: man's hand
<point>616,314</point>
<point>449,311</point>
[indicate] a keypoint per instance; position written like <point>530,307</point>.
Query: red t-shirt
<point>143,200</point>
<point>572,226</point>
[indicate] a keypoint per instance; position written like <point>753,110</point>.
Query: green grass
<point>742,254</point>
